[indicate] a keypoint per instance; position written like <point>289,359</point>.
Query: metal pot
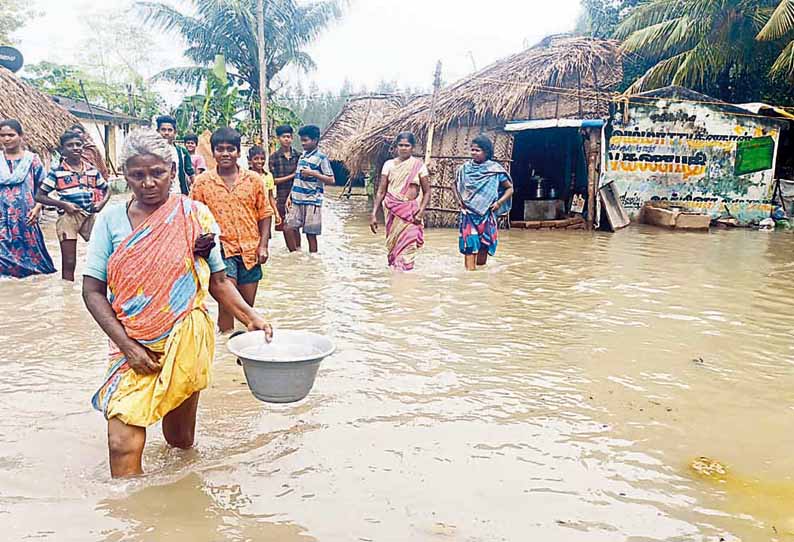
<point>284,370</point>
<point>540,187</point>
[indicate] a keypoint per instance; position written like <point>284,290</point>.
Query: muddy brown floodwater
<point>561,394</point>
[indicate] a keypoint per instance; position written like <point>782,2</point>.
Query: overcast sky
<point>377,40</point>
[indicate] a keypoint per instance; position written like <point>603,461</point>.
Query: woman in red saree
<point>400,183</point>
<point>152,263</point>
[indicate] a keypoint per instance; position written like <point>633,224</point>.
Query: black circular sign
<point>11,59</point>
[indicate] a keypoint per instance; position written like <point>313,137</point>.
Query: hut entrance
<point>549,172</point>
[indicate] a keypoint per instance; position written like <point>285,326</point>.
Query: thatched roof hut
<point>561,77</point>
<point>42,119</point>
<point>359,114</point>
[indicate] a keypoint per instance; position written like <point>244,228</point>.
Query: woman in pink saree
<point>400,183</point>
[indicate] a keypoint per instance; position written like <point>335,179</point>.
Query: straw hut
<point>543,108</point>
<point>42,119</point>
<point>359,114</point>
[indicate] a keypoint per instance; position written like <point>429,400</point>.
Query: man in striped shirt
<point>314,172</point>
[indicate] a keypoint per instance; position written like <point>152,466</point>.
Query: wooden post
<point>593,157</point>
<point>260,38</point>
<point>131,101</point>
<point>431,131</point>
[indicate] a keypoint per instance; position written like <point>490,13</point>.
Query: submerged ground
<point>560,395</point>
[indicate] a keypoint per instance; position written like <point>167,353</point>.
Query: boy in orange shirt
<point>237,199</point>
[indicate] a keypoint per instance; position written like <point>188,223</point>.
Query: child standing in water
<point>284,166</point>
<point>256,163</point>
<point>82,193</point>
<point>314,172</point>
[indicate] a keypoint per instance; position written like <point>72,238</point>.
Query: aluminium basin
<point>284,370</point>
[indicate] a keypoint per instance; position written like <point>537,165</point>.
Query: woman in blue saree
<point>484,191</point>
<point>22,249</point>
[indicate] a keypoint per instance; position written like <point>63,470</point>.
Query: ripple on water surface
<point>561,393</point>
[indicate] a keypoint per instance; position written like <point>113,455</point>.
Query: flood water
<point>561,394</point>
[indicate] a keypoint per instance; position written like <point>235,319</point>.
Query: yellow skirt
<point>187,354</point>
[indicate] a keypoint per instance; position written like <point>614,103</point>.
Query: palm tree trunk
<point>260,35</point>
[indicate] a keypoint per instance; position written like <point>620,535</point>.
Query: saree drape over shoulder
<point>480,186</point>
<point>157,288</point>
<point>22,249</point>
<point>403,237</point>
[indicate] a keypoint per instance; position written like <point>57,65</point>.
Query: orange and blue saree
<point>157,288</point>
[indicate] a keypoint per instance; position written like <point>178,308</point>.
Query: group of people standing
<point>154,260</point>
<point>25,189</point>
<point>482,188</point>
<point>186,235</point>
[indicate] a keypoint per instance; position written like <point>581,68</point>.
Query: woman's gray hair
<point>145,141</point>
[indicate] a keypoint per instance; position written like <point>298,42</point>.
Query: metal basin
<point>284,370</point>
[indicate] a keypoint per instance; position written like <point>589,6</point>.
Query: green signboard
<point>755,155</point>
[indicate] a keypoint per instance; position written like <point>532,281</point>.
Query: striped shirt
<point>309,191</point>
<point>84,187</point>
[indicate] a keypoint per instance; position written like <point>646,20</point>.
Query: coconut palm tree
<point>702,44</point>
<point>228,27</point>
<point>781,23</point>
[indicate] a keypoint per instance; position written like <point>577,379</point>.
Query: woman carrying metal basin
<point>151,264</point>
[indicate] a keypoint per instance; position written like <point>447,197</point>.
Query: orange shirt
<point>238,210</point>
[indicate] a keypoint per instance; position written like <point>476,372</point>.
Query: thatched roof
<point>42,119</point>
<point>576,69</point>
<point>359,114</point>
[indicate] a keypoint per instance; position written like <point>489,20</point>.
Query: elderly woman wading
<point>483,190</point>
<point>151,263</point>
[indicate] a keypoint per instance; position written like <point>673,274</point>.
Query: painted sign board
<point>11,58</point>
<point>758,154</point>
<point>697,155</point>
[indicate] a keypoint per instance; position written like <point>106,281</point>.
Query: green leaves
<point>13,16</point>
<point>719,47</point>
<point>228,27</point>
<point>784,65</point>
<point>64,80</point>
<point>780,23</point>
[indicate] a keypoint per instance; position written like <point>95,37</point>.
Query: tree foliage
<point>113,73</point>
<point>225,103</point>
<point>13,16</point>
<point>228,27</point>
<point>134,99</point>
<point>321,108</point>
<point>600,18</point>
<point>780,26</point>
<point>735,50</point>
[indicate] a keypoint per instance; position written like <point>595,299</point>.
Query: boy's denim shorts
<point>235,269</point>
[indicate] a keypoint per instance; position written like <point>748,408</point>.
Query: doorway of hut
<point>344,178</point>
<point>549,173</point>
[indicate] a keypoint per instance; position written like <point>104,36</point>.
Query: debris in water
<point>709,468</point>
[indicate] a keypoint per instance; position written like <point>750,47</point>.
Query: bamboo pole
<point>260,38</point>
<point>432,130</point>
